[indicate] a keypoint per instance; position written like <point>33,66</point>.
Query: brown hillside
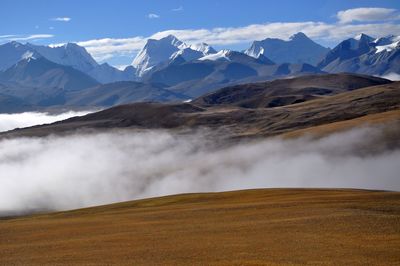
<point>253,227</point>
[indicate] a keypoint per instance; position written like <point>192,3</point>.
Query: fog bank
<point>392,76</point>
<point>59,173</point>
<point>27,119</point>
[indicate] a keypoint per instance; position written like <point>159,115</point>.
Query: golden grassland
<point>250,227</point>
<point>385,119</point>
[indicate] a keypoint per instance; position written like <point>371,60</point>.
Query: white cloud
<point>25,37</point>
<point>152,15</point>
<point>7,36</point>
<point>62,19</point>
<point>27,119</point>
<point>319,31</point>
<point>367,14</point>
<point>178,9</point>
<point>83,170</point>
<point>103,49</point>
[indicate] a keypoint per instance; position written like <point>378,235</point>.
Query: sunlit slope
<point>253,227</point>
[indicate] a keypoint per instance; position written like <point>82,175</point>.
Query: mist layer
<point>59,173</point>
<point>19,120</point>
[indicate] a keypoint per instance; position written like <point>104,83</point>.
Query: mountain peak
<point>155,52</point>
<point>298,49</point>
<point>203,47</point>
<point>362,36</point>
<point>167,40</point>
<point>70,45</point>
<point>298,36</point>
<point>15,43</point>
<point>170,37</point>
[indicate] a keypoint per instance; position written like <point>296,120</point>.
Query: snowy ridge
<point>69,54</point>
<point>388,47</point>
<point>203,47</point>
<point>221,55</point>
<point>167,48</point>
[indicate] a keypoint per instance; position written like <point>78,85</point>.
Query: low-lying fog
<point>58,173</point>
<point>27,119</point>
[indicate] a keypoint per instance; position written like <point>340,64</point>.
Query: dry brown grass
<point>253,227</point>
<point>385,118</point>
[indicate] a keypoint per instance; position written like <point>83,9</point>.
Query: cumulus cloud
<point>12,121</point>
<point>152,15</point>
<point>106,48</point>
<point>57,173</point>
<point>62,19</point>
<point>367,14</point>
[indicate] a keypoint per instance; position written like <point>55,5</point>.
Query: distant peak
<point>15,44</point>
<point>169,39</point>
<point>203,47</point>
<point>362,36</point>
<point>298,36</point>
<point>71,45</point>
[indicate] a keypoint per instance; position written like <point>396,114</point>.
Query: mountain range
<point>364,54</point>
<point>168,69</point>
<point>298,49</point>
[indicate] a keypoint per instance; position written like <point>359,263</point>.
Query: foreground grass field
<point>252,227</point>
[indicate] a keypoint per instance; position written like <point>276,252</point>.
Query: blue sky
<point>113,31</point>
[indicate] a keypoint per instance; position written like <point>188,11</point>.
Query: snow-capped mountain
<point>386,40</point>
<point>298,49</point>
<point>12,52</point>
<point>76,56</point>
<point>347,49</point>
<point>364,54</point>
<point>155,52</point>
<point>69,54</point>
<point>388,43</point>
<point>168,48</point>
<point>38,72</point>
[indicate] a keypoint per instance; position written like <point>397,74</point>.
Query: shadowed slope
<point>288,91</point>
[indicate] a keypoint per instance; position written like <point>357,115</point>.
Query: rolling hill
<point>288,91</point>
<point>252,227</point>
<point>257,121</point>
